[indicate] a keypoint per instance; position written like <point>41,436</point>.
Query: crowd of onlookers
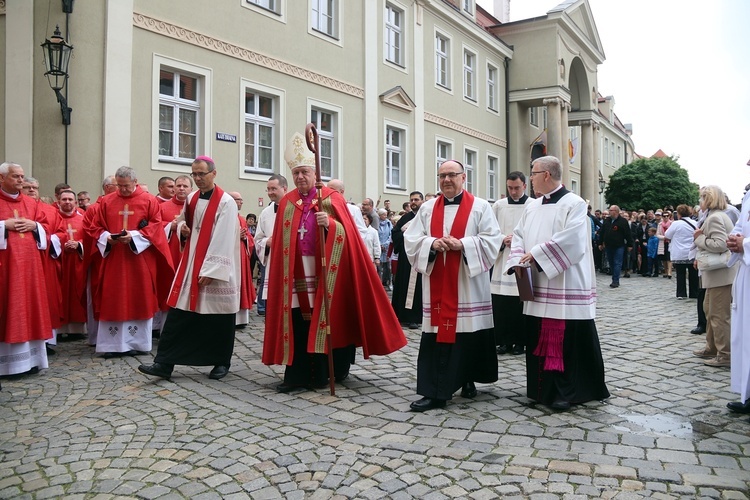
<point>665,242</point>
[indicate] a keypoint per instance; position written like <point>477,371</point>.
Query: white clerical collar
<point>451,200</point>
<point>14,196</point>
<point>558,188</point>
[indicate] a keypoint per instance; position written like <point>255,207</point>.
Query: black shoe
<point>614,285</point>
<point>626,275</point>
<point>414,326</point>
<point>285,388</point>
<point>219,372</point>
<point>698,330</point>
<point>560,405</point>
<point>50,351</point>
<point>240,327</point>
<point>112,355</point>
<point>261,313</point>
<point>469,390</point>
<point>502,349</point>
<point>519,349</point>
<point>155,334</point>
<point>738,407</point>
<point>425,404</point>
<point>342,377</point>
<point>156,370</point>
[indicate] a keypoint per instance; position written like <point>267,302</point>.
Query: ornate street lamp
<point>56,59</point>
<point>602,184</point>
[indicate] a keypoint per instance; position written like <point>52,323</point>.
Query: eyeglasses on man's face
<point>449,175</point>
<point>198,175</point>
<point>537,172</point>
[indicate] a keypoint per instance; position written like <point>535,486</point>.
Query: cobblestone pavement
<point>94,428</point>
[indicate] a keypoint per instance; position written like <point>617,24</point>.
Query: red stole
<point>201,247</point>
<point>444,276</point>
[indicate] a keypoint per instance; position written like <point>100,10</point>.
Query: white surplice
<point>263,232</point>
<point>558,235</point>
<point>222,261</point>
<point>507,216</point>
<point>740,343</point>
<point>481,243</point>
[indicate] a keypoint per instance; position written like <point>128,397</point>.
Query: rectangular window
<point>468,6</point>
<point>442,61</point>
<point>470,161</point>
<point>619,156</point>
<point>534,116</point>
<point>470,91</point>
<point>394,23</point>
<point>179,109</point>
<point>491,178</point>
<point>492,87</point>
<point>260,128</point>
<point>394,156</point>
<point>443,153</point>
<point>574,186</point>
<point>544,117</point>
<point>324,122</point>
<point>324,17</point>
<point>606,150</point>
<point>271,5</point>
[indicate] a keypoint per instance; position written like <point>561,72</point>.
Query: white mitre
<point>296,153</point>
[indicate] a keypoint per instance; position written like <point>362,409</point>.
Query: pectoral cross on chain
<point>15,214</point>
<point>302,232</point>
<point>70,232</point>
<point>125,215</point>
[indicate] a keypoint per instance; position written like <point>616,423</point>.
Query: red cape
<point>135,286</point>
<point>247,287</point>
<point>354,285</point>
<point>24,312</point>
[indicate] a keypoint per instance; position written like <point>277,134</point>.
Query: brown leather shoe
<point>718,362</point>
<point>704,353</point>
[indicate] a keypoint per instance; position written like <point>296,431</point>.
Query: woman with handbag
<point>716,277</point>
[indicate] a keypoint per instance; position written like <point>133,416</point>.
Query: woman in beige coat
<point>712,237</point>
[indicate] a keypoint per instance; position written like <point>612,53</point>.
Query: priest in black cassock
<point>407,284</point>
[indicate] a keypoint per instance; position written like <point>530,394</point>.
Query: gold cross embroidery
<point>125,215</point>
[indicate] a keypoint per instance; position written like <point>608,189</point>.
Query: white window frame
<point>470,168</point>
<point>449,146</point>
<point>279,108</point>
<point>574,186</point>
<point>534,116</point>
<point>469,74</point>
<point>203,124</point>
<point>544,117</point>
<point>394,34</point>
<point>468,7</point>
<point>336,17</point>
<point>389,149</point>
<point>492,84</point>
<point>443,55</point>
<point>278,13</point>
<point>606,151</point>
<point>620,161</point>
<point>335,134</point>
<point>493,168</point>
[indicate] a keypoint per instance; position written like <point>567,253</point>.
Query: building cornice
<point>2,7</point>
<point>459,127</point>
<point>220,46</point>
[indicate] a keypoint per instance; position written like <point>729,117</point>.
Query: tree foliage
<point>651,183</point>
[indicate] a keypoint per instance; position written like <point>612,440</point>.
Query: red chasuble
<point>92,259</point>
<point>72,272</point>
<point>131,286</point>
<point>360,310</point>
<point>24,315</point>
<point>52,268</point>
<point>169,210</point>
<point>247,287</point>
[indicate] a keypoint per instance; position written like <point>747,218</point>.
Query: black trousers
<point>701,313</point>
<point>692,280</point>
